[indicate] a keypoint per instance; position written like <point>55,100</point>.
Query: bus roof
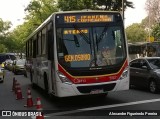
<point>85,10</point>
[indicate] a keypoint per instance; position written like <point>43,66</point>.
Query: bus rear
<point>91,53</point>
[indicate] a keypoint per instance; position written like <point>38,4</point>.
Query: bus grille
<point>104,87</point>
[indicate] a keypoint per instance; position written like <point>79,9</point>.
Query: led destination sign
<point>75,31</point>
<point>84,18</point>
<point>87,18</point>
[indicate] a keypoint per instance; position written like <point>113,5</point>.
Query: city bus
<point>144,49</point>
<point>76,53</point>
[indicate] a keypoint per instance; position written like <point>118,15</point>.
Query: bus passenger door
<point>34,63</point>
<point>51,65</point>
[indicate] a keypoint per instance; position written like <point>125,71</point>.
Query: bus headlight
<point>125,73</point>
<point>63,78</point>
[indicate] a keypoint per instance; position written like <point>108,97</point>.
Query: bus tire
<point>45,82</point>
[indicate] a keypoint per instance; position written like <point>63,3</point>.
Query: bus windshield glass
<point>90,46</point>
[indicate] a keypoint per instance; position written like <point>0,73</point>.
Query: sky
<point>137,14</point>
<point>13,10</point>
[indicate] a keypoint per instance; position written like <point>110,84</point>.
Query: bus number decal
<point>70,19</point>
<point>78,57</point>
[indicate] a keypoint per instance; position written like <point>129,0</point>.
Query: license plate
<point>97,91</point>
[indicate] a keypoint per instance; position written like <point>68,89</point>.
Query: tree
<point>4,27</point>
<point>39,10</point>
<point>156,32</point>
<point>153,9</point>
<point>69,5</point>
<point>136,33</point>
<point>3,48</point>
<point>144,22</point>
<point>114,5</point>
<point>20,34</point>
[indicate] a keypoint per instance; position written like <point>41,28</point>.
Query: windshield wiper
<point>101,36</point>
<point>82,34</point>
<point>75,41</point>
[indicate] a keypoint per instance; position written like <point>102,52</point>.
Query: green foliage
<point>4,27</point>
<point>154,28</point>
<point>9,43</point>
<point>37,12</point>
<point>19,35</point>
<point>114,5</point>
<point>136,33</point>
<point>156,32</point>
<point>69,5</point>
<point>144,22</point>
<point>3,48</point>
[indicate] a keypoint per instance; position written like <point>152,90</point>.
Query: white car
<point>1,74</point>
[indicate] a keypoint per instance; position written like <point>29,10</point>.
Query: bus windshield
<point>90,46</point>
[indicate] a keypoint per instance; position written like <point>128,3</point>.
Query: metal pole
<point>149,24</point>
<point>123,9</point>
<point>148,33</point>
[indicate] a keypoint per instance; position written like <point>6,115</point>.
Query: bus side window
<point>34,49</point>
<point>50,42</point>
<point>44,41</point>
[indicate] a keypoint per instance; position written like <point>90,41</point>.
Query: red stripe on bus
<point>93,79</point>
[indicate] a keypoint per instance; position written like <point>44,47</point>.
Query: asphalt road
<point>130,104</point>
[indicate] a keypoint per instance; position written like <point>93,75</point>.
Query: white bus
<point>144,49</point>
<point>79,53</point>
